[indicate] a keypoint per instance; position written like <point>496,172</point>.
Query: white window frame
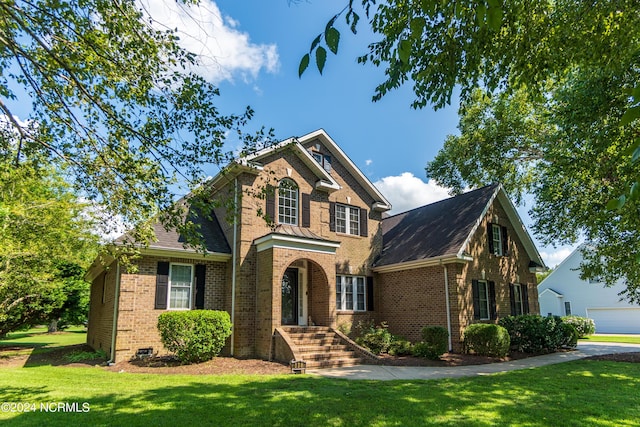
<point>171,286</point>
<point>323,159</point>
<point>496,236</point>
<point>288,202</point>
<point>351,293</point>
<point>347,219</point>
<point>483,299</point>
<point>567,304</point>
<point>518,300</point>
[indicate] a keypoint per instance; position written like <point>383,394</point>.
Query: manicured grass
<point>614,338</point>
<point>581,393</point>
<point>40,341</point>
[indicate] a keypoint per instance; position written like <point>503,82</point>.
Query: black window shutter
<point>370,293</point>
<point>492,301</point>
<point>364,222</point>
<point>475,290</point>
<point>512,298</point>
<point>525,299</point>
<point>505,242</point>
<point>490,237</point>
<point>162,285</point>
<point>332,216</point>
<point>201,272</point>
<point>306,210</point>
<point>271,204</point>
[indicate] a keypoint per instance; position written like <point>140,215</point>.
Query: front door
<point>290,297</point>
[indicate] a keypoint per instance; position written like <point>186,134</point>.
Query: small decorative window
<point>288,202</point>
<point>323,159</point>
<point>567,308</point>
<point>496,231</point>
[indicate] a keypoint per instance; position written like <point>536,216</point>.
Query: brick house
<point>311,248</point>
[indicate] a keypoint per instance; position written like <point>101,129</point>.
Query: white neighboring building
<point>563,293</point>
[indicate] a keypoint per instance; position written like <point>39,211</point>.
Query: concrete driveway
<point>375,372</point>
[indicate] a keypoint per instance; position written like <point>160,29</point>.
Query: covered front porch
<point>295,285</point>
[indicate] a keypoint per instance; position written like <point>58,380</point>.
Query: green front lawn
<point>580,393</point>
<point>614,338</point>
<point>39,341</point>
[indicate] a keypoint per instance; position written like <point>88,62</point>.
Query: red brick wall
<point>411,299</point>
<point>100,328</point>
<point>137,317</point>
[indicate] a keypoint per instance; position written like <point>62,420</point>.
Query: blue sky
<point>252,49</point>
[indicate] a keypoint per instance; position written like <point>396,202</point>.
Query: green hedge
<point>532,333</point>
<point>195,335</point>
<point>583,325</point>
<point>487,340</point>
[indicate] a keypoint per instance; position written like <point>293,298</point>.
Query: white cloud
<point>407,191</point>
<point>555,257</point>
<point>224,52</point>
<point>368,162</point>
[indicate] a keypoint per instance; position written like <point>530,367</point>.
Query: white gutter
<point>234,258</point>
<point>446,299</point>
<point>115,316</point>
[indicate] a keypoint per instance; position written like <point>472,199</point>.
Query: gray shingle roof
<point>433,230</point>
<point>214,239</point>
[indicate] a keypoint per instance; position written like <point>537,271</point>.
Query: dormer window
<point>288,202</point>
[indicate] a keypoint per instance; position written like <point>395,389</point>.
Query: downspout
<point>233,268</point>
<point>116,305</point>
<point>446,298</point>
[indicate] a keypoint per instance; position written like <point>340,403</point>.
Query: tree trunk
<point>53,326</point>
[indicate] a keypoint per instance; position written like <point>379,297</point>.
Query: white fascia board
<point>551,291</point>
<point>520,228</point>
<point>97,267</point>
<point>384,204</point>
<point>478,221</point>
<point>183,253</point>
<point>420,263</point>
<point>517,224</point>
<point>298,243</point>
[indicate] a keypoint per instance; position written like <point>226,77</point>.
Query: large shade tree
<point>114,101</point>
<point>45,232</point>
<point>550,101</point>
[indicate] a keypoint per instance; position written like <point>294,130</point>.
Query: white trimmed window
<point>288,202</point>
<point>323,159</point>
<point>496,235</point>
<point>180,286</point>
<point>347,219</point>
<point>567,308</point>
<point>483,292</point>
<point>518,302</point>
<point>351,293</point>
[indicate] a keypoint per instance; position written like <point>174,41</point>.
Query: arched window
<point>288,202</point>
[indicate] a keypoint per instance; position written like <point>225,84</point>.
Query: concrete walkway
<point>375,372</point>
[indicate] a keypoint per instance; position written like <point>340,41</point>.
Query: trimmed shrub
<point>400,346</point>
<point>583,325</point>
<point>196,335</point>
<point>376,339</point>
<point>487,340</point>
<point>570,334</point>
<point>434,342</point>
<point>532,333</point>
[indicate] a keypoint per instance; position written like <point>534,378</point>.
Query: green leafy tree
<point>43,230</point>
<point>75,308</point>
<point>557,115</point>
<point>113,100</point>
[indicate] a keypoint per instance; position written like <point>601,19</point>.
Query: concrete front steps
<point>322,347</point>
